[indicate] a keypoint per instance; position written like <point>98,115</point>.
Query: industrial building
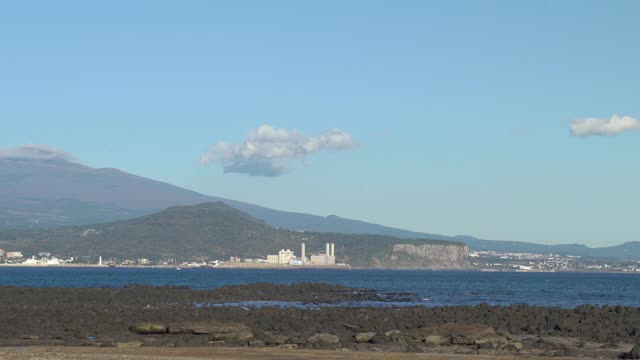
<point>328,258</point>
<point>287,257</point>
<point>284,257</point>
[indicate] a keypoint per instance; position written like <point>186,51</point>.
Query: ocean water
<point>431,288</point>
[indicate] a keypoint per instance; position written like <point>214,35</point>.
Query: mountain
<point>40,194</point>
<point>217,230</point>
<point>48,193</point>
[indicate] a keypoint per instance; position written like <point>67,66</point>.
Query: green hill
<point>213,230</point>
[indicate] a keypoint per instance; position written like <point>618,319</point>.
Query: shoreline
<point>249,266</point>
<point>171,318</point>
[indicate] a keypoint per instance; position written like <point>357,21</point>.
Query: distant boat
<point>178,268</point>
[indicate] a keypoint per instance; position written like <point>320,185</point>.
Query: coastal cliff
<point>428,256</point>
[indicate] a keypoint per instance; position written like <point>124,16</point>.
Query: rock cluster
<point>149,316</point>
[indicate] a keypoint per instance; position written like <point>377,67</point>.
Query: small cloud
<point>36,152</point>
<point>594,126</point>
<point>266,150</point>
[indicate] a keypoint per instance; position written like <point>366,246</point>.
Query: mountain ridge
<point>49,193</point>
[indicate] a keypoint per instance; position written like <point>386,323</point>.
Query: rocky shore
<point>137,316</point>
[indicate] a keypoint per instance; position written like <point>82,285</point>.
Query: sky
<point>498,119</point>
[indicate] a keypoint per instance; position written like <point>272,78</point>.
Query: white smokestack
<point>327,250</point>
<point>302,252</point>
<point>333,249</point>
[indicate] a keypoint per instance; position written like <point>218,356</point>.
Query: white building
<point>32,261</point>
<point>14,254</point>
<point>272,259</point>
<point>54,261</point>
<point>285,256</point>
<point>1,253</point>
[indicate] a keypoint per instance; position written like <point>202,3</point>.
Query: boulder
<point>516,346</point>
<point>403,337</point>
<point>633,354</point>
<point>461,334</point>
<point>436,340</point>
<point>256,343</point>
<point>274,339</point>
<point>323,338</point>
<point>492,342</point>
<point>148,328</point>
<point>392,333</point>
<point>224,331</point>
<point>364,337</point>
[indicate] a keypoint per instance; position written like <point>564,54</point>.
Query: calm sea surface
<point>431,288</point>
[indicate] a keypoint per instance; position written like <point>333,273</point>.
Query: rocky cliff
<point>429,256</point>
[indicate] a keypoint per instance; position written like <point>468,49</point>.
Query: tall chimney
<point>302,252</point>
<point>327,250</point>
<point>333,249</point>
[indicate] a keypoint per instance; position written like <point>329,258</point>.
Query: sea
<point>428,288</point>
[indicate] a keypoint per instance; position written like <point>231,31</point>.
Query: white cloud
<point>613,126</point>
<point>37,152</point>
<point>266,150</point>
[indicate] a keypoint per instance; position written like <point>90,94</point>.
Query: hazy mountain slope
<point>213,230</point>
<point>41,193</point>
<point>45,193</point>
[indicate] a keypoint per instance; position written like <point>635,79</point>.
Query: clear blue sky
<point>461,109</point>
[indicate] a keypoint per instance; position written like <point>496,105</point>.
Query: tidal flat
<point>263,317</point>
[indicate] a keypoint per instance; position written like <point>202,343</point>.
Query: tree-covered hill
<point>213,230</point>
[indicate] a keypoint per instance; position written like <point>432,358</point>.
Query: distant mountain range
<point>40,194</point>
<point>217,230</point>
